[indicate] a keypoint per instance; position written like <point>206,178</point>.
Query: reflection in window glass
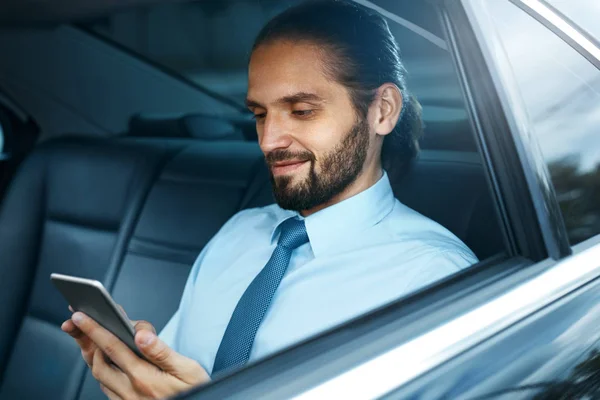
<point>584,13</point>
<point>207,42</point>
<point>561,92</point>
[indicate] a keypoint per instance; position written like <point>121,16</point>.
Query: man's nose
<point>274,134</point>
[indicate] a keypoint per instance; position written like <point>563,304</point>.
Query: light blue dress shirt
<point>363,252</point>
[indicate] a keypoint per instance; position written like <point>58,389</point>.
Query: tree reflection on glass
<point>579,197</point>
<point>583,383</point>
<point>560,104</point>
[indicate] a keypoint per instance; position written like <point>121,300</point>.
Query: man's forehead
<point>283,70</point>
<point>286,52</point>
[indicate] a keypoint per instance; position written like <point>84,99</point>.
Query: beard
<point>338,170</point>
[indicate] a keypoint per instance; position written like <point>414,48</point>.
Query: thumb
<point>167,359</point>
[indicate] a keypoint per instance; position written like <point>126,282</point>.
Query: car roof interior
<point>128,190</point>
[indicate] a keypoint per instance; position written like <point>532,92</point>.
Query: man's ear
<point>387,108</point>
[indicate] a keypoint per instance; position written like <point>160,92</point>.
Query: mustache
<point>286,155</point>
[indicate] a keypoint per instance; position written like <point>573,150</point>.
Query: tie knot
<point>292,233</point>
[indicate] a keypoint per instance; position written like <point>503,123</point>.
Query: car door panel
<point>552,353</point>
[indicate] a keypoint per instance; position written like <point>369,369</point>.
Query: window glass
<point>561,93</point>
<point>584,13</point>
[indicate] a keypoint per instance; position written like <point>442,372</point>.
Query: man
<point>333,114</point>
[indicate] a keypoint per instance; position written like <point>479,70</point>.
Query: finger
<point>81,338</point>
<point>84,342</point>
<point>109,393</point>
<point>167,359</point>
<point>113,379</point>
<point>69,327</point>
<point>110,345</point>
<point>144,325</point>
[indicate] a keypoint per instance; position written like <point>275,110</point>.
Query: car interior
<point>132,205</point>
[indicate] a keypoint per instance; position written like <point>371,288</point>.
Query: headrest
<point>200,126</point>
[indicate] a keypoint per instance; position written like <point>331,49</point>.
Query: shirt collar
<point>329,226</point>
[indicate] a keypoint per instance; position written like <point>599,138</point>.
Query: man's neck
<point>364,181</point>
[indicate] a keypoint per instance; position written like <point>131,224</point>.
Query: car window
<point>561,93</point>
<point>584,13</point>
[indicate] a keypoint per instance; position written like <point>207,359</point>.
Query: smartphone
<point>91,298</point>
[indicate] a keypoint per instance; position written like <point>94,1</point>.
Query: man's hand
<point>166,374</point>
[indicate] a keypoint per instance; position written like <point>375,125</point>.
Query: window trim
<point>527,147</point>
<point>411,26</point>
<point>505,171</point>
<point>563,27</point>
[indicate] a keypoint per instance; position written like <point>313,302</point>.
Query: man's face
<point>314,143</point>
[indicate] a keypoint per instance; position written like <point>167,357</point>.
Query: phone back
<point>92,299</point>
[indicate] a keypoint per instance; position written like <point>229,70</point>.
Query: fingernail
<point>77,318</point>
<point>147,339</point>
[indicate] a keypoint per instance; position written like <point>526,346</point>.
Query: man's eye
<point>302,113</point>
<point>259,116</point>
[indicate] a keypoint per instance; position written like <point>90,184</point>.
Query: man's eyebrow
<point>301,97</point>
<point>291,99</point>
<point>253,104</point>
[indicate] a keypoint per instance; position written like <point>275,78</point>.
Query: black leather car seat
<point>134,213</point>
<point>71,209</point>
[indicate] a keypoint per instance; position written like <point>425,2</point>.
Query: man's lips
<point>285,167</point>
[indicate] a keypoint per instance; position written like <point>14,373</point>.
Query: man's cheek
<point>303,173</point>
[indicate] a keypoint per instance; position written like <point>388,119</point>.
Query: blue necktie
<point>237,341</point>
